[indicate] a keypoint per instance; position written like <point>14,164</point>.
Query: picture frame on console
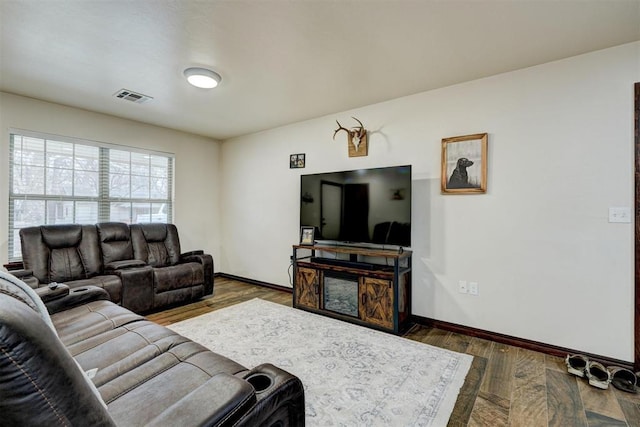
<point>464,164</point>
<point>307,235</point>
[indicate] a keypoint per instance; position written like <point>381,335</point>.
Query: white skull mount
<point>357,138</point>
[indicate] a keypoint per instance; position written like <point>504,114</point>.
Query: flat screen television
<point>359,206</point>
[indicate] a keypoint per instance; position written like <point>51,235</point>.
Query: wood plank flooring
<point>506,386</point>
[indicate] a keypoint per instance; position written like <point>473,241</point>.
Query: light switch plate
<point>462,286</point>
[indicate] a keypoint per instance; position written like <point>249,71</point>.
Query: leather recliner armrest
<point>127,263</point>
<point>207,264</point>
<point>137,283</point>
<point>137,287</point>
<point>195,256</point>
<point>187,254</point>
<point>76,297</point>
<point>21,273</point>
<point>26,276</point>
<point>199,257</point>
<point>49,293</point>
<point>280,397</point>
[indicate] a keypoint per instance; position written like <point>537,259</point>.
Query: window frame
<point>103,199</point>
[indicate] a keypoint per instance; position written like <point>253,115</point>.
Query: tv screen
<point>359,206</point>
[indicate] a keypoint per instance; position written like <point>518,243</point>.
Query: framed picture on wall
<point>464,164</point>
<point>296,161</point>
<point>307,235</point>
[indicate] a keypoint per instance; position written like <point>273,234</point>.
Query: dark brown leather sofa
<point>94,363</point>
<point>140,266</point>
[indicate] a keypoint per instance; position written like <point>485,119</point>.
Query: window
<point>56,180</point>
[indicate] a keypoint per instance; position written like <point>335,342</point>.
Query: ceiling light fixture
<point>201,77</point>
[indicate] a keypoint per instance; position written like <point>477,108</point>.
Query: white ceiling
<point>283,61</point>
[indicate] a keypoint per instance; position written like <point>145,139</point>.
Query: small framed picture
<point>464,164</point>
<point>296,161</point>
<point>306,235</point>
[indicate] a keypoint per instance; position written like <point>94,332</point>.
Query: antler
<point>360,130</point>
<point>340,127</point>
<point>357,136</point>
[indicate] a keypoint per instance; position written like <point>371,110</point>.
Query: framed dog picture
<point>464,164</point>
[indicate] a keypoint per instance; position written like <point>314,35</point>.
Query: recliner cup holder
<point>260,382</point>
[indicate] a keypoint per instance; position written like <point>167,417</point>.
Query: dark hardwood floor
<point>506,386</point>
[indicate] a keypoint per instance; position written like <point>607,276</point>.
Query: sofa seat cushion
<point>181,395</point>
<point>205,405</point>
<point>144,368</point>
<point>110,283</point>
<point>136,351</point>
<point>177,276</point>
<point>89,320</point>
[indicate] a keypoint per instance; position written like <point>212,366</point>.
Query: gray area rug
<point>352,375</point>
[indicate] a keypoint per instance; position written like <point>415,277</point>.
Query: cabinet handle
<point>364,299</point>
<point>316,289</point>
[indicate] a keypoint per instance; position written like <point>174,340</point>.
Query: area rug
<point>352,375</point>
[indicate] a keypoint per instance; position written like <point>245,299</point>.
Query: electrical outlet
<point>462,286</point>
<point>620,215</point>
<point>473,288</point>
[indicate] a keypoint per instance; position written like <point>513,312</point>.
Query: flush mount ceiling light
<point>201,77</point>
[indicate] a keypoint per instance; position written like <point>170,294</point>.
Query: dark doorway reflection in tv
<point>331,208</point>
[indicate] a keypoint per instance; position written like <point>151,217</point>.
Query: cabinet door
<point>307,287</point>
<point>376,297</point>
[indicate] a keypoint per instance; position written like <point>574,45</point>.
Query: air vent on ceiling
<point>132,96</point>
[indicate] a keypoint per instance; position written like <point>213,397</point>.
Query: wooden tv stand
<point>369,287</point>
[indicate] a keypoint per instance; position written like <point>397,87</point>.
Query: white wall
<point>197,162</point>
<point>550,267</point>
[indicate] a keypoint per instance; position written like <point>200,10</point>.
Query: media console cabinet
<point>369,287</point>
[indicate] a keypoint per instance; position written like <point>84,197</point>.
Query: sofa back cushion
<point>17,289</point>
<point>115,242</point>
<point>60,253</point>
<point>156,244</point>
<point>42,384</point>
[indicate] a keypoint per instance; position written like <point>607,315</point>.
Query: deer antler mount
<point>357,139</point>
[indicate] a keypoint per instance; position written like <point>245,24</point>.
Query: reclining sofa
<point>140,265</point>
<point>82,360</point>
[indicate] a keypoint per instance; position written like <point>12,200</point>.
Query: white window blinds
<point>58,180</point>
